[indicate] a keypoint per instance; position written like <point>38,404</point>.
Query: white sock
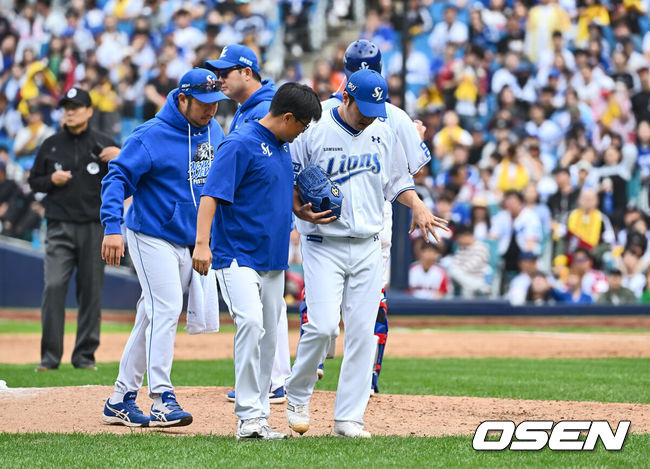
<point>116,398</point>
<point>157,401</point>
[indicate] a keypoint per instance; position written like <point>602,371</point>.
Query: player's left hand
<point>427,222</point>
<point>109,153</point>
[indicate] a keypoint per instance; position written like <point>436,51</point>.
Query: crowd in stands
<point>537,117</point>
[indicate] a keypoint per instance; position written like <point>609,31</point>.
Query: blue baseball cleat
<point>169,413</point>
<point>126,412</point>
<point>276,397</point>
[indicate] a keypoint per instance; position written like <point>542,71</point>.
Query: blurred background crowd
<point>537,116</point>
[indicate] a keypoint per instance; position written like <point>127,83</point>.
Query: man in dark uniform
<point>69,168</point>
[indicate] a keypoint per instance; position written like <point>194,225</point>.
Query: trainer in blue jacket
<point>163,164</point>
<point>239,74</point>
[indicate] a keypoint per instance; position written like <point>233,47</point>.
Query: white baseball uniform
<point>417,155</point>
<point>342,260</point>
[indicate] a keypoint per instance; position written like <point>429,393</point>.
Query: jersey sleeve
<point>417,153</point>
<point>226,172</point>
<point>124,173</point>
<point>400,179</point>
<point>299,153</point>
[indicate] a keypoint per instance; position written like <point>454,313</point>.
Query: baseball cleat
<point>126,412</point>
<point>348,429</point>
<point>268,433</point>
<point>276,397</point>
<point>249,429</point>
<point>257,429</point>
<point>320,372</point>
<point>169,412</point>
<point>298,417</point>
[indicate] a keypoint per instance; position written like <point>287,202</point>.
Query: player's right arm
<point>202,255</point>
<point>124,172</point>
<point>305,212</point>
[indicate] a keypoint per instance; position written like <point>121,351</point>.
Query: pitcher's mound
<point>79,409</point>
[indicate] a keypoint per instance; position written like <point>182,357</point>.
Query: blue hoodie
<point>153,166</point>
<point>255,107</point>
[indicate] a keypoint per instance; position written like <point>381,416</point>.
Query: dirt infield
<point>25,348</point>
<point>23,410</point>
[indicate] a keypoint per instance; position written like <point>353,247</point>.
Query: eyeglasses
<point>223,74</point>
<point>207,87</point>
<point>305,126</point>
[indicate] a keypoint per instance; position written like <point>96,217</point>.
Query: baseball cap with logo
<point>370,92</point>
<point>234,55</point>
<point>202,84</point>
<point>76,96</point>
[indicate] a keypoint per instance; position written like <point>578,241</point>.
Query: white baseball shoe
<point>268,433</point>
<point>249,429</point>
<point>349,429</point>
<point>298,417</point>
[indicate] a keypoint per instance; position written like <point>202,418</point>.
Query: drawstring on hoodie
<point>189,159</point>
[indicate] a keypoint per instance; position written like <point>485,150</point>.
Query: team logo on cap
<point>352,86</point>
<point>224,51</point>
<point>72,92</point>
<point>364,66</point>
<point>378,94</point>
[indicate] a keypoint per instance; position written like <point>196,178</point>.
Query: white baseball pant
<point>342,277</point>
<point>385,236</point>
<point>256,301</point>
<point>164,270</point>
<point>282,363</point>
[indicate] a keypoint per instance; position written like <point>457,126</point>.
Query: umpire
<point>69,168</point>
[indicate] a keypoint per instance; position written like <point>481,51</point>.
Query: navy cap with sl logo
<point>370,92</point>
<point>202,84</point>
<point>233,55</point>
<point>76,96</point>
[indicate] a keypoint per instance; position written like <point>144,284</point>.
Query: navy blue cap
<point>234,55</point>
<point>370,92</point>
<point>527,256</point>
<point>202,84</point>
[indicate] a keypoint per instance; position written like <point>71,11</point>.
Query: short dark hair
<point>463,230</point>
<point>256,76</point>
<point>514,193</point>
<point>297,99</point>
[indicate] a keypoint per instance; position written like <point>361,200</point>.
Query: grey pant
<point>69,245</point>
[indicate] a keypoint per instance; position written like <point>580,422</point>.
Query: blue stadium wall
<point>21,285</point>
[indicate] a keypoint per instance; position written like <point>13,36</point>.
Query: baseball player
<point>238,72</point>
<point>363,54</point>
<point>164,164</point>
<point>249,187</point>
<point>342,260</point>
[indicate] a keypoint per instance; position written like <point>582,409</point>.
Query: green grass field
<point>159,450</point>
<point>604,380</point>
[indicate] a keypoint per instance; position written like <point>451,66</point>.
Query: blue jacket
<point>255,107</point>
<point>154,166</point>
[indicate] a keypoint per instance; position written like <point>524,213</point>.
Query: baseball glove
<point>314,186</point>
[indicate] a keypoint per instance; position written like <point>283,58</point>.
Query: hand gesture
<point>113,249</point>
<point>60,178</point>
<point>202,258</point>
<point>305,212</point>
<point>427,222</point>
